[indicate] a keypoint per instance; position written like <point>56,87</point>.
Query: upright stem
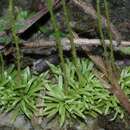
<point>100,30</point>
<point>58,43</point>
<point>110,35</point>
<point>2,65</point>
<point>15,38</point>
<point>73,48</point>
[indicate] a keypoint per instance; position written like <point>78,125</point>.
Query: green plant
<point>71,38</point>
<point>47,31</point>
<point>20,99</point>
<point>58,42</point>
<point>111,68</point>
<point>82,100</point>
<point>125,80</point>
<point>86,99</point>
<point>1,64</point>
<point>12,20</point>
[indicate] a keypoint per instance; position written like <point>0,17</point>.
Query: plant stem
<point>58,43</point>
<point>110,36</point>
<point>100,30</point>
<point>73,48</point>
<point>15,38</point>
<point>2,65</point>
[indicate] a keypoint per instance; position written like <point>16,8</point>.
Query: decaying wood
<point>88,9</point>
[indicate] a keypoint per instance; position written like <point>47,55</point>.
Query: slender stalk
<point>2,65</point>
<point>58,43</point>
<point>110,35</point>
<point>100,30</point>
<point>73,48</point>
<point>15,38</point>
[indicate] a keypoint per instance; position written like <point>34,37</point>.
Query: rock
<point>72,124</point>
<point>41,65</point>
<point>21,123</point>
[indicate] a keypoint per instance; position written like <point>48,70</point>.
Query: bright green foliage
<point>89,98</point>
<point>50,32</point>
<point>65,95</point>
<point>23,15</point>
<point>21,99</point>
<point>125,80</point>
<point>58,42</point>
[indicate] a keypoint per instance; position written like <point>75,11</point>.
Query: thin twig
<point>80,42</point>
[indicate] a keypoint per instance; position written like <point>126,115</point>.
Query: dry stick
<point>88,9</point>
<point>80,42</point>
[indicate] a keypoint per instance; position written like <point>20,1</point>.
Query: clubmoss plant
<point>15,37</point>
<point>58,42</point>
<point>100,30</point>
<point>1,65</point>
<point>109,31</point>
<point>125,80</point>
<point>112,61</point>
<point>20,99</point>
<point>88,99</point>
<point>111,68</point>
<point>73,48</point>
<point>75,99</point>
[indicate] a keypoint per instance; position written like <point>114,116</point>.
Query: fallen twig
<point>79,42</point>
